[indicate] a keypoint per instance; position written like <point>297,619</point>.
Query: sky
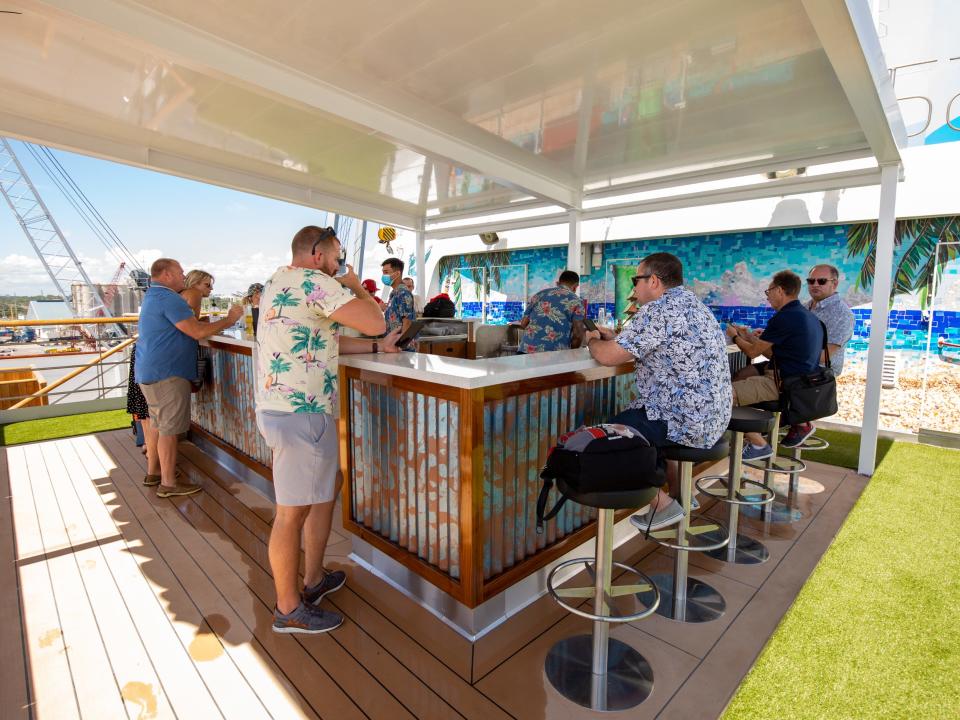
<point>237,237</point>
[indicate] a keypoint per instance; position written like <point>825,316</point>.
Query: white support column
<point>573,249</point>
<point>882,281</point>
<point>421,278</point>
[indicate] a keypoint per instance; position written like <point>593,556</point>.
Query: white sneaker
<point>664,517</point>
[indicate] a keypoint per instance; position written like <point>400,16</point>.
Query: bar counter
<point>441,459</point>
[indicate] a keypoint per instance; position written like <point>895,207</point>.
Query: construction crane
<point>111,290</point>
<point>41,229</point>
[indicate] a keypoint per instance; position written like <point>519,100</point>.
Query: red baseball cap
<point>370,285</point>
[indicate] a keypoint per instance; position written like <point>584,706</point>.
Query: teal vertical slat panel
<point>489,449</point>
<point>455,488</point>
<point>443,485</point>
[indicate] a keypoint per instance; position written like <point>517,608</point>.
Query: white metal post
<point>421,278</point>
<point>882,280</point>
<point>573,249</point>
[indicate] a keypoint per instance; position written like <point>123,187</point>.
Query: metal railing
<point>48,362</point>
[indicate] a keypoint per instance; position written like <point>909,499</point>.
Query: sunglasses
<point>818,281</point>
<point>769,290</point>
<point>637,278</point>
<point>325,234</point>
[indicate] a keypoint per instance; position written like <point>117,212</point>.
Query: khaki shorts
<point>756,389</point>
<point>169,403</point>
<point>306,456</point>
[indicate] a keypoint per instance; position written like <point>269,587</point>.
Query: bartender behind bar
<point>554,316</point>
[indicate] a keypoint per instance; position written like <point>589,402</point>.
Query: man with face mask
<point>682,374</point>
<point>298,342</point>
<point>401,310</point>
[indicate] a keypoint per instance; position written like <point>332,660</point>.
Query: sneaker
<point>306,620</point>
<point>332,581</point>
<point>694,503</point>
<point>756,453</point>
<point>151,480</point>
<point>797,435</point>
<point>669,515</point>
<point>165,491</point>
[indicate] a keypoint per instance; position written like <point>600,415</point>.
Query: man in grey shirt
<point>822,284</point>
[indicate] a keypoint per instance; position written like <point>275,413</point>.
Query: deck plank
<point>164,613</point>
<point>98,694</point>
<point>421,669</point>
<point>360,683</point>
<point>378,675</point>
<point>246,624</point>
<point>14,680</point>
<point>52,681</point>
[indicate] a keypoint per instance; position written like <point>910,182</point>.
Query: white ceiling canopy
<point>432,112</point>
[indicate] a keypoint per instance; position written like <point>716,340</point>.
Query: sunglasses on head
<point>325,234</point>
<point>818,281</point>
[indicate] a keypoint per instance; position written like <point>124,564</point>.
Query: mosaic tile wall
<point>729,273</point>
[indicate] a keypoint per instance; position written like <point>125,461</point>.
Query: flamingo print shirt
<point>298,343</point>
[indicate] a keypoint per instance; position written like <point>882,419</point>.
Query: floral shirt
<point>551,313</point>
<point>297,342</point>
<point>838,317</point>
<point>399,308</point>
<point>683,376</point>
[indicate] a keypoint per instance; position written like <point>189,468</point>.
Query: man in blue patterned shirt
<point>553,319</point>
<point>400,310</point>
<point>683,378</point>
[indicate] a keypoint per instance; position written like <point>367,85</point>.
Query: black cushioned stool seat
<point>597,671</point>
<point>687,599</point>
<point>751,419</point>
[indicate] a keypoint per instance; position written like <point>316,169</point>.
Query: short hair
<point>161,265</point>
<point>394,263</point>
<point>834,273</point>
<point>403,280</point>
<point>195,277</point>
<point>665,266</point>
<point>307,238</point>
<point>569,277</point>
<point>788,281</point>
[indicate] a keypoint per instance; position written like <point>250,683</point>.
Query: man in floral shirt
<point>683,379</point>
<point>303,307</point>
<point>553,319</point>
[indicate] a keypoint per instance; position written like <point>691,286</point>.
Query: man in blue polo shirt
<point>793,339</point>
<point>166,365</point>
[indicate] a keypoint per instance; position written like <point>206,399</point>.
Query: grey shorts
<point>169,404</point>
<point>306,455</point>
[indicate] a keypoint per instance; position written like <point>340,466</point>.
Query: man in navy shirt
<point>166,365</point>
<point>793,339</point>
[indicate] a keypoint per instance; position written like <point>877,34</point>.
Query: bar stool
<point>684,598</point>
<point>777,512</point>
<point>806,486</point>
<point>597,671</point>
<point>740,549</point>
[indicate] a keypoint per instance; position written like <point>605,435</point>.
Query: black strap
<point>826,354</point>
<point>542,504</point>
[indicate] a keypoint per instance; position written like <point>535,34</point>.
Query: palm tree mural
<point>283,299</point>
<point>916,242</point>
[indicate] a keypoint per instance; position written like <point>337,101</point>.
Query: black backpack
<point>440,307</point>
<point>598,458</point>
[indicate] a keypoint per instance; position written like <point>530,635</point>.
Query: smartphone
<point>410,333</point>
<point>589,324</point>
<point>342,268</point>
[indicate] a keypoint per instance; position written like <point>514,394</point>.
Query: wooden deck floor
<point>114,604</point>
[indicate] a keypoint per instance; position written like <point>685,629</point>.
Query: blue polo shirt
<point>162,350</point>
<point>796,336</point>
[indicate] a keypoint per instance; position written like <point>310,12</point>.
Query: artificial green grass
<point>844,450</point>
<point>60,427</point>
<point>874,633</point>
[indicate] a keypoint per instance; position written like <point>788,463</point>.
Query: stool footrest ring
<point>787,466</point>
<point>663,537</point>
<point>587,591</point>
<point>767,495</point>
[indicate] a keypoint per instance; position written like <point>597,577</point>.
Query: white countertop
<point>460,373</point>
<point>472,374</point>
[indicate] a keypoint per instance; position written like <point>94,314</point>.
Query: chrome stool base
<point>703,604</point>
<point>775,513</point>
<point>801,486</point>
<point>745,551</point>
<point>627,682</point>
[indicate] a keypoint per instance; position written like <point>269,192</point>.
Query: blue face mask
<point>386,280</point>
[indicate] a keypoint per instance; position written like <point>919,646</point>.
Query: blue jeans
<point>655,431</point>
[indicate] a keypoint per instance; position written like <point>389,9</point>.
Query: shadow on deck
<point>117,604</point>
